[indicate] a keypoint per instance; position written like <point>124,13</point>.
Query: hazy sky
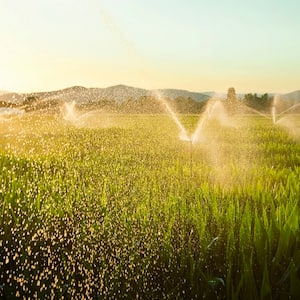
<point>186,44</point>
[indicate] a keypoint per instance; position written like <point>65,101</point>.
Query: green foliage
<point>117,213</point>
<point>263,102</point>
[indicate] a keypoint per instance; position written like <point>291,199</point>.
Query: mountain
<point>117,93</point>
<point>12,98</point>
<point>293,96</point>
<point>3,92</point>
<point>173,94</point>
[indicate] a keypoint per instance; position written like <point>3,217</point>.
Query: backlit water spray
<point>183,133</point>
<point>257,112</point>
<point>273,111</point>
<point>69,112</point>
<point>284,118</point>
<point>289,109</point>
<point>196,135</point>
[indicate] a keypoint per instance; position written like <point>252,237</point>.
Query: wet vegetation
<point>128,211</point>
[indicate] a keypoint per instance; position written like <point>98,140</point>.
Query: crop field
<point>120,208</point>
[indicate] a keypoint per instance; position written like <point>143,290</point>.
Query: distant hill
<point>118,93</point>
<point>292,97</point>
<point>12,97</point>
<point>3,92</point>
<point>173,94</point>
<point>121,98</point>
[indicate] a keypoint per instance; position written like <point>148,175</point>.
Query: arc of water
<point>290,108</point>
<point>257,112</point>
<point>194,138</point>
<point>70,114</point>
<point>210,109</point>
<point>183,134</point>
<point>274,114</point>
<point>206,115</point>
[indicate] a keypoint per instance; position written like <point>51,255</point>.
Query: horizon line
<point>2,92</point>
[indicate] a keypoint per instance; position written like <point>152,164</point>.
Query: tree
<point>262,103</point>
<point>30,100</point>
<point>231,95</point>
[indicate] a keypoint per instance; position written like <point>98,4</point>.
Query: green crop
<point>130,211</point>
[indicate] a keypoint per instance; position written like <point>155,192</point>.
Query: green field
<point>120,208</point>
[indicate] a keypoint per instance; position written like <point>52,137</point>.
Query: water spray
<point>274,114</point>
<point>277,116</point>
<point>183,136</point>
<point>289,109</point>
<point>258,112</point>
<point>183,133</point>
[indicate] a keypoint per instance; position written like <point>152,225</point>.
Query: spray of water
<point>276,106</point>
<point>196,135</point>
<point>256,112</point>
<point>183,133</point>
<point>90,119</point>
<point>7,112</point>
<point>273,112</point>
<point>290,126</point>
<point>214,110</point>
<point>73,116</point>
<point>280,119</point>
<point>70,114</point>
<point>289,109</point>
<point>283,119</point>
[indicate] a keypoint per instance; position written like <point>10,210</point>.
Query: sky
<point>195,45</point>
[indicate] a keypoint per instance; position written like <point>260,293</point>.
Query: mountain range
<point>293,96</point>
<point>118,93</point>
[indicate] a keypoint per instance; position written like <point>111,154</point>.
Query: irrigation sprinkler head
<point>190,139</point>
<point>183,136</point>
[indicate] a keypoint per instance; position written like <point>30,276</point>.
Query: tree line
<point>261,103</point>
